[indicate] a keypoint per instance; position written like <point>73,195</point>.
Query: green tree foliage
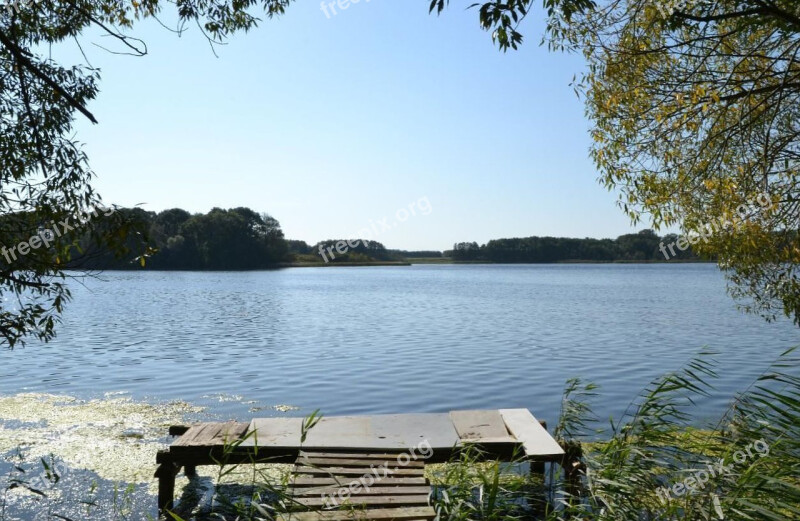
<point>417,254</point>
<point>236,239</point>
<point>465,251</point>
<point>352,250</point>
<point>502,18</point>
<point>696,112</point>
<point>296,247</point>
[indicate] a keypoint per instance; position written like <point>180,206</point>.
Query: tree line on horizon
<point>243,239</point>
<point>644,246</point>
<point>233,239</point>
<point>175,239</point>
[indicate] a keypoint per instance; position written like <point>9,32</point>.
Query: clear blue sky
<point>333,124</point>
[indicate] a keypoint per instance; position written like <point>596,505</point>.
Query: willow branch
<point>25,62</point>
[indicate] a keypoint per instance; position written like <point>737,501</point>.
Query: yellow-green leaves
<point>695,113</point>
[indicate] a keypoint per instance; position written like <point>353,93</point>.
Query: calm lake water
<point>395,339</point>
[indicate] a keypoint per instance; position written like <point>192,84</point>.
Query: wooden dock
<point>340,450</point>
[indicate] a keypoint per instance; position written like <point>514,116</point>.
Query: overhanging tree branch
<point>765,10</point>
<point>23,60</point>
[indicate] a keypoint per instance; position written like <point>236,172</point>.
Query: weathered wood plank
<point>373,433</point>
<point>343,480</point>
<point>361,491</point>
<point>356,471</point>
<point>345,462</point>
<point>535,440</point>
<point>230,432</point>
<point>371,501</point>
<point>384,514</point>
<point>410,431</point>
<point>351,455</point>
<point>190,435</point>
<point>237,430</point>
<point>481,426</point>
<point>334,431</point>
<point>211,434</point>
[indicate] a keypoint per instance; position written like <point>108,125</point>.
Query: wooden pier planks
<point>368,486</point>
<point>211,434</point>
<point>353,460</point>
<point>338,480</point>
<point>410,489</point>
<point>534,438</point>
<point>481,427</point>
<point>380,432</point>
<point>385,514</point>
<point>441,432</point>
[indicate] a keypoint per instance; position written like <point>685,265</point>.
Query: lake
<point>394,339</point>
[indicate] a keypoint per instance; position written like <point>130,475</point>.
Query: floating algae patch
<point>285,408</point>
<point>253,405</point>
<point>279,408</point>
<point>115,438</point>
<point>75,495</point>
<point>222,397</point>
<point>103,453</point>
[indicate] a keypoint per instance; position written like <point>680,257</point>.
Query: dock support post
<point>166,473</point>
<point>537,495</point>
<point>538,499</point>
<point>573,468</point>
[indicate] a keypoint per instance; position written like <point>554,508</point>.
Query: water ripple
<point>379,340</point>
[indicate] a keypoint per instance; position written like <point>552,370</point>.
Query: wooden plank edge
<point>362,491</point>
<point>386,514</point>
<point>356,502</point>
<point>347,462</point>
<point>545,447</point>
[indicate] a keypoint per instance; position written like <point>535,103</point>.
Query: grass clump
<point>655,464</point>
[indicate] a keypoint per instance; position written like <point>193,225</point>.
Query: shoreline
<point>402,263</point>
<point>341,264</point>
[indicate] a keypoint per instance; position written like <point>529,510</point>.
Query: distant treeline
<point>233,239</point>
<point>635,247</point>
<point>242,239</point>
<point>357,250</point>
<point>341,250</point>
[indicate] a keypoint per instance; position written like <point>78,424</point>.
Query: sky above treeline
<point>337,123</point>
